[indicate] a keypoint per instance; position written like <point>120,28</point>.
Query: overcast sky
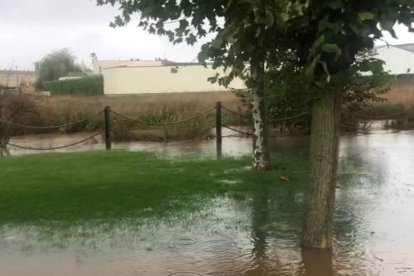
<point>29,29</point>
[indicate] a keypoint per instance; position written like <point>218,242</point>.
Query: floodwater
<point>233,145</point>
<point>253,236</point>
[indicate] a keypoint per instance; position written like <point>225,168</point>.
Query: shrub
<point>17,109</point>
<point>86,86</point>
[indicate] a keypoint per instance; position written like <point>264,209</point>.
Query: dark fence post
<point>218,130</point>
<point>108,141</point>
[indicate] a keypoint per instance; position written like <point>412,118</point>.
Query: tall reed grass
<point>153,108</point>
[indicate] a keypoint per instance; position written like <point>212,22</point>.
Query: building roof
<point>408,47</point>
<point>128,63</point>
<point>399,59</point>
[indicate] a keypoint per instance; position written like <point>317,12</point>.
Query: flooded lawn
<point>255,234</point>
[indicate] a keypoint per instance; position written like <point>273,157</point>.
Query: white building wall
<point>397,61</point>
<point>136,80</point>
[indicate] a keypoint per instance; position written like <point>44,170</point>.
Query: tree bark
<point>324,164</point>
<point>261,160</point>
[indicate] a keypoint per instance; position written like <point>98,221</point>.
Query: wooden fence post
<point>107,116</point>
<point>218,130</point>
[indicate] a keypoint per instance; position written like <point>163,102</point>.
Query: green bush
<point>86,86</point>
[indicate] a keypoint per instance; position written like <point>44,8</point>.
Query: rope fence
<point>289,118</point>
<point>107,131</point>
<point>238,131</point>
<point>55,148</point>
<point>52,127</point>
<point>236,113</point>
<point>203,114</point>
<point>380,117</point>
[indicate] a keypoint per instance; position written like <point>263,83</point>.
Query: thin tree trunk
<point>324,164</point>
<point>261,160</point>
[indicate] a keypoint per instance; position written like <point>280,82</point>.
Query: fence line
<point>163,124</point>
<point>239,131</point>
<point>236,113</point>
<point>380,117</point>
<point>58,147</point>
<point>289,118</point>
<point>179,139</point>
<point>303,131</point>
<point>217,124</point>
<point>52,127</point>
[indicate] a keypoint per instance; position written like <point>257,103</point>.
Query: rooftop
<point>407,47</point>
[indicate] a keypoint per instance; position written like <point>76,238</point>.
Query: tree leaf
<point>331,48</point>
<point>335,4</point>
<point>366,16</point>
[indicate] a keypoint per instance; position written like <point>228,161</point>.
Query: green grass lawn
<point>71,187</point>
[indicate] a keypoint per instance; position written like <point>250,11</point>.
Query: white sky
<point>29,29</point>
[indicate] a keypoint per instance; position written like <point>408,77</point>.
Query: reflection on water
<point>258,234</point>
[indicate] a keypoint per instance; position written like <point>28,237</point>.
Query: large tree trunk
<point>261,160</point>
<point>324,164</point>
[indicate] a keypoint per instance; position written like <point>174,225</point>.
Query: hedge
<point>85,86</point>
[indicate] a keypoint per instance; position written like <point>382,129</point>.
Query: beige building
<point>136,76</point>
<point>14,78</point>
<point>160,79</point>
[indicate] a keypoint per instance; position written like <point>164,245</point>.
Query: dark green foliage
<point>290,91</point>
<point>328,35</point>
<point>57,64</point>
<point>85,86</point>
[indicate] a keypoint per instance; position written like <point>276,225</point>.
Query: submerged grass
<point>74,187</point>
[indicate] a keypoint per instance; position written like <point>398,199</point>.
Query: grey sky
<point>31,28</point>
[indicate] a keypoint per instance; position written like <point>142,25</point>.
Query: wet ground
<point>258,234</point>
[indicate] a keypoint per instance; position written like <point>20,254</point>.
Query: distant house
<point>14,78</point>
<point>399,59</point>
<point>100,65</point>
<point>136,76</point>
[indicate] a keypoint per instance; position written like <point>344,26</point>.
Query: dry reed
<point>154,108</point>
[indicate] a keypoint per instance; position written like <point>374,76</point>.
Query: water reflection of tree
<point>260,220</point>
<point>270,209</point>
<point>317,262</point>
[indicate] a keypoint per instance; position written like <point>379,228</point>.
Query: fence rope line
<point>380,117</point>
<point>163,124</point>
<point>58,147</point>
<point>251,134</point>
<point>236,113</point>
<point>271,120</point>
<point>176,140</point>
<point>302,132</point>
<point>362,133</point>
<point>239,131</point>
<point>51,127</point>
<point>289,118</point>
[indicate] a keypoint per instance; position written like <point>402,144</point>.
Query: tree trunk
<point>324,163</point>
<point>261,160</point>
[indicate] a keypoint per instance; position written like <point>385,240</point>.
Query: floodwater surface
<point>258,234</point>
